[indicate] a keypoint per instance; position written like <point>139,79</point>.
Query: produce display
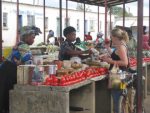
<point>52,48</point>
<point>75,77</point>
<point>133,61</point>
<point>71,71</point>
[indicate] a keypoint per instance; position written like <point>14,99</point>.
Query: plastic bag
<point>114,80</point>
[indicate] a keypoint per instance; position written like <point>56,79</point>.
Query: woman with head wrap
<point>21,54</point>
<point>67,48</point>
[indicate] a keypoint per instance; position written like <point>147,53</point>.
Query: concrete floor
<point>147,103</point>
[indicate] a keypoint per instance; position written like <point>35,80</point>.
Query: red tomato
<point>62,81</point>
<point>55,81</point>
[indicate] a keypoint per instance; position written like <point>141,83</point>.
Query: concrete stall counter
<point>89,96</point>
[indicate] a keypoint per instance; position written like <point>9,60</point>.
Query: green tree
<point>118,11</point>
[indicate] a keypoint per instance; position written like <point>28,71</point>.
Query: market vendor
<point>67,48</point>
<point>21,54</point>
<point>99,40</point>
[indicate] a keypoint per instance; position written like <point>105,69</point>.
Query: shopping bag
<point>114,80</point>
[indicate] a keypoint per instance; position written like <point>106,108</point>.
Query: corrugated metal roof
<point>102,2</point>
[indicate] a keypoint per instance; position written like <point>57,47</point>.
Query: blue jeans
<point>116,98</point>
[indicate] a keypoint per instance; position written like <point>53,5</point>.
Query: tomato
<point>55,81</point>
<point>48,81</point>
<point>62,81</point>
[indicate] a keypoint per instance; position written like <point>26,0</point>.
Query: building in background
<point>30,14</point>
<point>132,23</point>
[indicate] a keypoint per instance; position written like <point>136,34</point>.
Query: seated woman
<point>21,54</point>
<point>119,58</point>
<point>67,48</point>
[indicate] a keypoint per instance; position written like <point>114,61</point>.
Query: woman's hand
<point>107,59</point>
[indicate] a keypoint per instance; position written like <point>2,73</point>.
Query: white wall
<point>9,35</point>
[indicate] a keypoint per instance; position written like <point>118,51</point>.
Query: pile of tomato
<point>133,61</point>
<point>75,77</point>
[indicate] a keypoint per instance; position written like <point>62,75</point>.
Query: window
<point>5,20</point>
<point>92,25</point>
<point>19,21</point>
<point>46,23</point>
<point>100,24</point>
<point>78,25</point>
<point>58,26</point>
<point>31,20</point>
<point>67,22</point>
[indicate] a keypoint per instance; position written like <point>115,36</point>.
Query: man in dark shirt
<point>67,48</point>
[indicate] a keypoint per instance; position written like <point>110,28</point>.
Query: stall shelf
<point>90,95</point>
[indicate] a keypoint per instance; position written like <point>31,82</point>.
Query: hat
<point>68,30</point>
<point>100,34</point>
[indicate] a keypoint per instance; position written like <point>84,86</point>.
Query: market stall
<point>85,93</point>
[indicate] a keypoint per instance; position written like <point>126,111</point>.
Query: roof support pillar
<point>44,20</point>
<point>149,22</point>
<point>139,57</point>
<point>124,13</point>
<point>1,31</point>
<point>17,23</point>
<point>84,22</point>
<point>105,19</point>
<point>60,15</point>
<point>110,18</point>
<point>67,19</point>
<point>98,20</point>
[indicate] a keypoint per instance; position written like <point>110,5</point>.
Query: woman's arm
<point>122,53</point>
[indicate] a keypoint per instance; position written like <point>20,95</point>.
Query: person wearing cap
<point>20,54</point>
<point>67,48</point>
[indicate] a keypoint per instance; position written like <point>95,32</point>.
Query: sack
<point>114,80</point>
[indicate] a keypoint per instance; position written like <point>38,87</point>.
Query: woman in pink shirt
<point>145,42</point>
